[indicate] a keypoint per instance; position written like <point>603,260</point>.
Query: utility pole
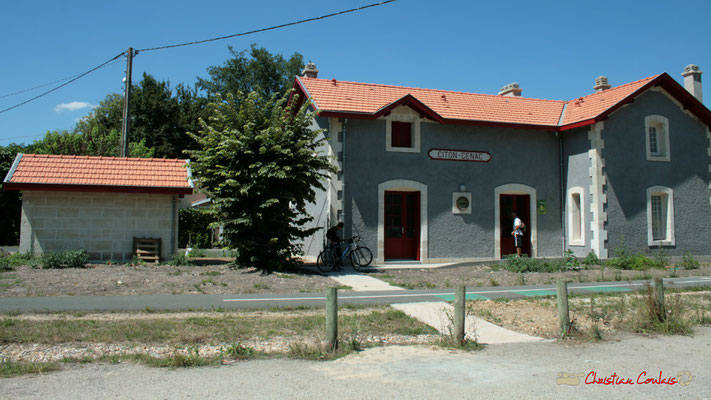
<point>126,100</point>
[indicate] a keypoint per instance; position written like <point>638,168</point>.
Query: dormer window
<point>657,138</point>
<point>401,134</point>
<point>402,131</point>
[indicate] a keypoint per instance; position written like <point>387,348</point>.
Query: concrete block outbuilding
<point>98,203</point>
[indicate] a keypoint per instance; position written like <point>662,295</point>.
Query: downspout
<point>343,174</point>
<point>562,195</point>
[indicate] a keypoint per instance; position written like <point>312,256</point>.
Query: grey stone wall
<point>576,164</point>
<point>526,157</point>
<point>629,174</point>
<point>319,209</point>
<point>104,224</point>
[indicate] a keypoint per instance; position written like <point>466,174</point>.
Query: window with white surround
<point>660,216</point>
<point>656,130</point>
<point>402,131</point>
<point>576,216</point>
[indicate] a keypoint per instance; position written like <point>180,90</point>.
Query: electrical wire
<point>105,63</point>
<point>47,84</point>
<point>78,76</point>
<point>268,29</point>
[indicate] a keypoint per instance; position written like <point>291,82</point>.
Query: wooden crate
<point>147,249</point>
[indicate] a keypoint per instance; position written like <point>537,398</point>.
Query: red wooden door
<point>402,225</point>
<point>520,204</point>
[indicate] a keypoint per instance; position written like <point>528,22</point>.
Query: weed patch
<point>9,369</point>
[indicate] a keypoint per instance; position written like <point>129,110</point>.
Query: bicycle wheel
<point>361,257</point>
<point>325,261</point>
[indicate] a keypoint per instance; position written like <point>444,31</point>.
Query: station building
<point>433,175</point>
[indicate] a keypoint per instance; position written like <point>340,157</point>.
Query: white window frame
<point>571,216</point>
<point>662,125</point>
<point>411,117</point>
<point>669,239</point>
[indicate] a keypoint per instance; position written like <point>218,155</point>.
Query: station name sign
<point>459,155</point>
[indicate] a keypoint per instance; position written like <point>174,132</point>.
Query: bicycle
<point>360,256</point>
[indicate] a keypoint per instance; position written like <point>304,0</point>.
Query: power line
<point>270,28</point>
<point>22,137</point>
<point>64,84</point>
<point>46,84</point>
<point>75,77</point>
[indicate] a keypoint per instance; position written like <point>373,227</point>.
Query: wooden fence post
<point>459,314</point>
<point>332,318</point>
<point>659,298</point>
<point>563,315</point>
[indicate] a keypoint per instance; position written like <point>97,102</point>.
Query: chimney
<point>310,71</point>
<point>692,81</point>
<point>601,84</point>
<point>512,90</point>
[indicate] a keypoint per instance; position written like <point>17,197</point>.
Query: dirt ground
<point>109,280</point>
<point>102,279</point>
<point>480,275</point>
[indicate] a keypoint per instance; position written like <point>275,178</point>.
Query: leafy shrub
<point>625,259</point>
<point>194,228</point>
<point>591,260</point>
<point>661,259</point>
<point>179,260</point>
<point>5,264</point>
<point>515,263</point>
<point>688,262</point>
<point>65,259</point>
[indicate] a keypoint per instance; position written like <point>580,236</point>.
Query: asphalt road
<point>257,301</point>
<point>504,371</point>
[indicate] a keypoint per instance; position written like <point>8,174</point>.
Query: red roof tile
<point>149,175</point>
<point>365,100</point>
<point>590,106</point>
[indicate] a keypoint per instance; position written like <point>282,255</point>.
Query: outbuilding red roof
<point>333,98</point>
<point>99,174</point>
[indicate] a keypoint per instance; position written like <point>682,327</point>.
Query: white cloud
<point>73,106</point>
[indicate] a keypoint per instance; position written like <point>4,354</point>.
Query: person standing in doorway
<point>517,233</point>
<point>334,242</point>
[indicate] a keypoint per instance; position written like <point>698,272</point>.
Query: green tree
<point>160,117</point>
<point>257,71</point>
<point>93,143</point>
<point>259,164</point>
<point>10,200</point>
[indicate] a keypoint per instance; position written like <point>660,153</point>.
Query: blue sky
<point>554,50</point>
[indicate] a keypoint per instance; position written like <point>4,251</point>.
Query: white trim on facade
<point>402,185</point>
<point>708,135</point>
<point>662,128</point>
<point>668,195</point>
<point>515,188</point>
<point>598,198</point>
<point>580,216</point>
<point>336,185</point>
<point>403,114</point>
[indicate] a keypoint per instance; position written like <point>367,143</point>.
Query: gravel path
<point>112,280</point>
<point>503,371</point>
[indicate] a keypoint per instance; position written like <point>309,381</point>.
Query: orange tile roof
<point>334,97</point>
<point>151,175</point>
<point>330,95</point>
<point>590,106</point>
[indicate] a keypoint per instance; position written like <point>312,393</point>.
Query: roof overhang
<point>96,188</point>
<point>688,101</point>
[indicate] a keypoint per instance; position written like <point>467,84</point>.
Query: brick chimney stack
<point>512,90</point>
<point>692,81</point>
<point>310,71</point>
<point>601,84</point>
